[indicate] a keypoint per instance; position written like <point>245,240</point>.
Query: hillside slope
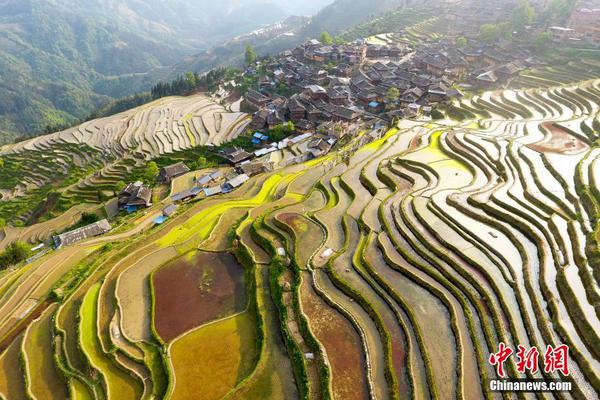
<point>334,18</point>
<point>399,262</point>
<point>61,59</point>
<point>80,163</point>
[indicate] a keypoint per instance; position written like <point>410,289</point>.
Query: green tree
<point>281,131</point>
<point>191,80</point>
<point>436,114</point>
<point>88,218</point>
<point>151,172</point>
<point>14,254</point>
<point>250,55</point>
<point>489,33</point>
<point>283,90</point>
<point>541,41</point>
<point>392,94</point>
<point>326,38</point>
<point>558,11</point>
<point>522,15</point>
<point>2,222</point>
<point>461,41</point>
<point>201,162</point>
<point>1,162</point>
<point>120,185</point>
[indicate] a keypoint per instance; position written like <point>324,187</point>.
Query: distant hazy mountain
<point>61,59</point>
<point>333,18</point>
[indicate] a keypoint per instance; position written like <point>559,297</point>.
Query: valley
<point>467,223</point>
<point>375,215</point>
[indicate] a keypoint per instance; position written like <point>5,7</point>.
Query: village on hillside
<point>309,98</point>
<point>408,208</point>
<point>338,88</point>
<point>317,97</point>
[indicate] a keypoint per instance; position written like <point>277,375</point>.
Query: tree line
<point>193,81</point>
<point>554,12</point>
<point>183,85</point>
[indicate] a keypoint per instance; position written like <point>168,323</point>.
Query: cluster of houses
<point>328,86</point>
<point>208,183</point>
<point>475,64</point>
<point>318,77</point>
<point>336,88</point>
<point>582,25</point>
<point>246,164</point>
<point>306,146</point>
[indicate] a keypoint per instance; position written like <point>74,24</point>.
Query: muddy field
<point>558,140</point>
<point>196,289</point>
<point>341,342</point>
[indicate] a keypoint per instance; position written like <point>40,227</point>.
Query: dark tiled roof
<point>135,194</point>
<point>252,168</point>
<point>256,97</point>
<point>88,231</point>
<point>295,105</point>
<point>169,210</point>
<point>186,194</point>
<point>176,169</point>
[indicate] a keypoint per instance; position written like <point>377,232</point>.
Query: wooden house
<point>169,172</point>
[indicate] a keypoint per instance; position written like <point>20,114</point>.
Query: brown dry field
<point>341,342</point>
<point>192,292</point>
<point>558,140</point>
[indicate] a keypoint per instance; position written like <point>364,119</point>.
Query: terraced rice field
<point>83,164</point>
<point>427,29</point>
<point>211,360</point>
<point>195,290</point>
<point>405,262</point>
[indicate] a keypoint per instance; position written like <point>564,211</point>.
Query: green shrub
<point>436,114</point>
<point>14,254</point>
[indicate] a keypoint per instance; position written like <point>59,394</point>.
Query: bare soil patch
<point>342,345</point>
<point>192,291</point>
<point>558,140</point>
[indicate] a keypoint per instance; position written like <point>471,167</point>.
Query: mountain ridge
<point>62,59</point>
<point>70,65</point>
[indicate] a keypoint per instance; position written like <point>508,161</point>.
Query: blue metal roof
<point>131,209</point>
<point>160,219</point>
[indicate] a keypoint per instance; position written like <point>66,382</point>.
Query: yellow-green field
<point>119,384</point>
<point>209,361</point>
<point>389,268</point>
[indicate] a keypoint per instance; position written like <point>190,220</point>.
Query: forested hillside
<point>62,59</point>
